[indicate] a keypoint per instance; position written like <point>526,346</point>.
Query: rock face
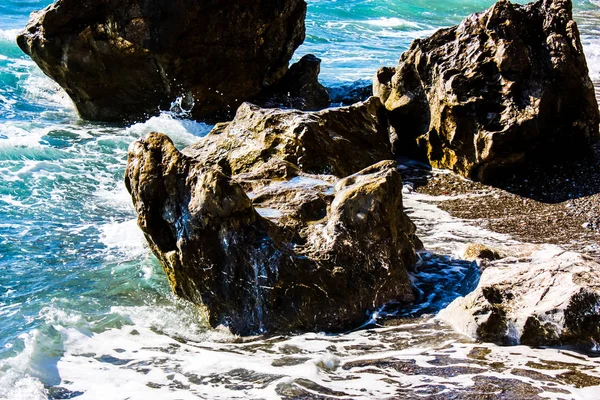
<point>338,141</point>
<point>506,86</point>
<point>552,299</point>
<point>345,253</point>
<point>125,59</point>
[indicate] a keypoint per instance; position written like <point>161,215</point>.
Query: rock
<point>126,59</point>
<point>299,88</point>
<point>339,141</point>
<point>551,299</point>
<point>477,251</point>
<point>255,274</point>
<point>505,87</point>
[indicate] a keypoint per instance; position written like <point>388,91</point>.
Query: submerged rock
<point>338,141</point>
<point>125,59</point>
<point>346,252</point>
<point>506,86</point>
<point>551,299</point>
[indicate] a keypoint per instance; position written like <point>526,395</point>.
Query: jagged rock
<point>125,59</point>
<point>299,88</point>
<point>339,141</point>
<point>255,274</point>
<point>506,86</point>
<point>552,298</point>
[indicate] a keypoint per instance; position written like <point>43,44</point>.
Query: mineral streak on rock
<point>322,272</point>
<point>505,87</point>
<point>126,59</point>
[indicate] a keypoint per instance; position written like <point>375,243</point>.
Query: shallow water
<point>85,308</point>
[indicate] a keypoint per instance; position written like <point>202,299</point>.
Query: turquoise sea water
<point>71,256</point>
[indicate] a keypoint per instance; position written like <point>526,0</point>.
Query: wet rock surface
<point>338,141</point>
<point>548,300</point>
<point>539,295</point>
<point>123,60</point>
<point>285,255</point>
<point>506,87</point>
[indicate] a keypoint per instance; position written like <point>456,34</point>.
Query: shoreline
<point>545,215</point>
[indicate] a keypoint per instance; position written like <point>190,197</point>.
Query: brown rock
<point>552,298</point>
<point>299,88</point>
<point>477,251</point>
<point>126,59</point>
<point>338,141</point>
<point>254,274</point>
<point>505,87</point>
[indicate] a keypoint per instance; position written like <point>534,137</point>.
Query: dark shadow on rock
<point>298,89</point>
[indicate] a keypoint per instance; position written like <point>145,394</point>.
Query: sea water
<point>85,309</point>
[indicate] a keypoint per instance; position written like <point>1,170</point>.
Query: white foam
<point>9,35</point>
<point>124,237</point>
<point>24,376</point>
<point>442,232</point>
<point>591,48</point>
<point>17,135</point>
<point>118,196</point>
<point>179,319</point>
<point>39,89</point>
<point>182,132</point>
<point>394,22</point>
<point>15,387</point>
<point>9,199</point>
<point>139,362</point>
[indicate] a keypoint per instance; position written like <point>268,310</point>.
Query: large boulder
<point>347,251</point>
<point>124,59</point>
<point>550,298</point>
<point>337,141</point>
<point>506,86</point>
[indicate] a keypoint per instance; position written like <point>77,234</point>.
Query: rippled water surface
<point>85,310</point>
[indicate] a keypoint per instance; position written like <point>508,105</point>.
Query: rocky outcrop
<point>551,298</point>
<point>125,59</point>
<point>344,252</point>
<point>338,141</point>
<point>505,87</point>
